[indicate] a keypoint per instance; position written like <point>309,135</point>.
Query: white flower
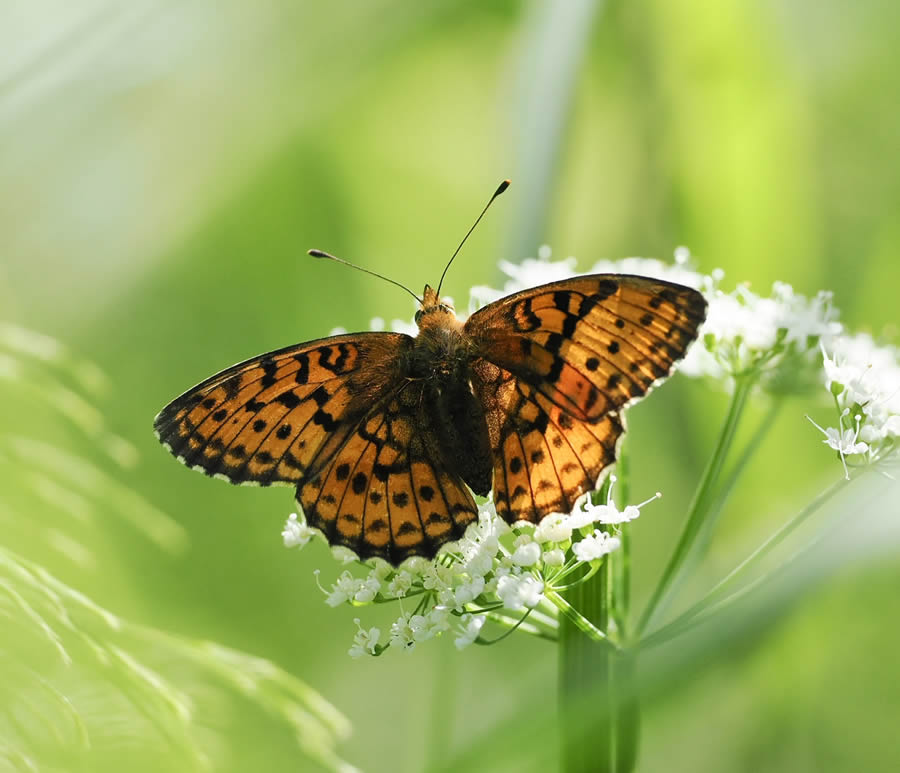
<point>408,630</point>
<point>527,552</point>
<point>368,589</point>
<point>552,528</point>
<point>580,517</point>
<point>532,272</point>
<point>343,590</point>
<point>402,633</point>
<point>364,641</point>
<point>744,330</point>
<point>343,554</point>
<point>554,557</point>
<point>400,584</point>
<point>595,545</point>
<point>680,272</point>
<point>845,443</point>
<point>863,380</point>
<point>436,622</point>
<point>587,513</point>
<point>471,627</point>
<point>405,326</point>
<point>468,592</point>
<point>519,590</point>
<point>611,514</point>
<point>437,577</point>
<point>478,548</point>
<point>296,533</point>
<point>480,561</point>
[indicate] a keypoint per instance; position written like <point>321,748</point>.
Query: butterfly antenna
<point>500,188</point>
<point>321,254</point>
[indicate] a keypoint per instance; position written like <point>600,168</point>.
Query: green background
<point>163,168</point>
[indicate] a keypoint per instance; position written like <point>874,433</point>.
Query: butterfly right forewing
<point>591,343</point>
<point>278,417</point>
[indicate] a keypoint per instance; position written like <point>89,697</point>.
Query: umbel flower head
<point>863,380</point>
<point>494,571</point>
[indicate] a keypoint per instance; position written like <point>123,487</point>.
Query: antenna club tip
<point>502,187</point>
<point>317,253</point>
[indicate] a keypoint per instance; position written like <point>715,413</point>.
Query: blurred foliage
<point>165,166</point>
<point>85,689</point>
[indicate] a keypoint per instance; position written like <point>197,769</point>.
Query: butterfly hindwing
<point>544,458</point>
<point>385,493</point>
<point>277,417</point>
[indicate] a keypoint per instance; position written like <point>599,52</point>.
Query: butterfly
<point>386,436</point>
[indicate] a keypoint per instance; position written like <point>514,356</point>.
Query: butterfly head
<point>432,310</point>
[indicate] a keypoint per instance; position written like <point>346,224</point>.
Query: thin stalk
<point>622,557</point>
<point>734,474</point>
<point>535,628</point>
<point>706,603</point>
<point>704,497</point>
<point>584,592</point>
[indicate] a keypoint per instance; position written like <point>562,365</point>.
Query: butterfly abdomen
<point>457,423</point>
<point>450,414</point>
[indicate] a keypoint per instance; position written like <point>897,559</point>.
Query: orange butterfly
<point>384,435</point>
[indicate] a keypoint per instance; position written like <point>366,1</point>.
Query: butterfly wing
<point>387,492</point>
<point>556,364</point>
<point>279,417</point>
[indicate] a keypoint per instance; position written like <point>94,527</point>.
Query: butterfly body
<point>440,369</point>
<point>385,435</point>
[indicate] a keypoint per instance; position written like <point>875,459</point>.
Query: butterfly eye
<point>418,315</point>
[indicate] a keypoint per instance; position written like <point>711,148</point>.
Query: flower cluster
<point>863,379</point>
<point>494,572</point>
<point>746,332</point>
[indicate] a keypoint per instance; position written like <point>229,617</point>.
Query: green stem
<point>706,604</point>
<point>622,557</point>
<point>731,479</point>
<point>533,627</point>
<point>598,712</point>
<point>584,676</point>
<point>572,616</point>
<point>704,497</point>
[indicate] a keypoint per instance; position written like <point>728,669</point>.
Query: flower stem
<point>621,558</point>
<point>704,497</point>
<point>705,605</point>
<point>598,723</point>
<point>703,539</point>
